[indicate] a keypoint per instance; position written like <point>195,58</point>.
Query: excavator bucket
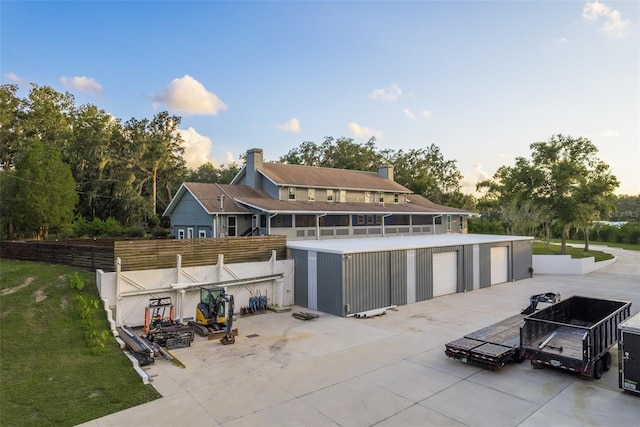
<point>228,339</point>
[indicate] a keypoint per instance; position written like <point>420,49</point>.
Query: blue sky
<point>481,80</point>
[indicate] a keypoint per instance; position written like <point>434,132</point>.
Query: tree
<point>9,131</point>
<point>42,196</point>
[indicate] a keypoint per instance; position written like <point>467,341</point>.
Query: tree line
<point>78,170</point>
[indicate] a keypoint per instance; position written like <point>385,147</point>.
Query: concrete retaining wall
<point>564,264</point>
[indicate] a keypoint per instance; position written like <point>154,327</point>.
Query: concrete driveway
<point>389,370</point>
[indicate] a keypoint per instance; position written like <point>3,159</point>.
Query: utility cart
<point>492,347</point>
<point>629,354</point>
<point>575,334</point>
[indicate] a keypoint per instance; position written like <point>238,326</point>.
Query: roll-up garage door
<point>445,273</point>
<point>499,264</point>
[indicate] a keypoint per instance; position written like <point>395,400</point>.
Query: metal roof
<point>377,244</point>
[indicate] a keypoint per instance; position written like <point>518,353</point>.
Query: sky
<point>482,80</point>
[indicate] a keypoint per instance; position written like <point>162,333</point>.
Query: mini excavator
<point>214,315</point>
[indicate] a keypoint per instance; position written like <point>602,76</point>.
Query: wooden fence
<point>146,254</point>
<point>86,256</point>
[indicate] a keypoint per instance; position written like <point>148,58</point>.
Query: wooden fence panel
<point>84,256</point>
<point>152,254</point>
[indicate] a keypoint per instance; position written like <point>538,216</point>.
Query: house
<point>304,202</point>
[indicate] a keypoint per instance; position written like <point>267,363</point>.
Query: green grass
<point>49,375</point>
<point>539,248</point>
<point>627,246</point>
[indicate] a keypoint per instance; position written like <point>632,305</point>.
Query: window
<point>396,198</point>
<point>381,197</point>
<point>329,195</point>
<point>370,219</point>
<point>232,225</point>
<point>461,222</point>
<point>312,194</point>
<point>360,219</point>
<point>292,193</point>
<point>181,234</point>
<point>448,222</point>
<point>202,234</point>
<point>305,220</point>
<point>334,221</point>
<point>282,221</point>
<point>189,233</point>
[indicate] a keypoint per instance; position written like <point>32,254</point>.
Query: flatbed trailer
<point>575,334</point>
<point>495,345</point>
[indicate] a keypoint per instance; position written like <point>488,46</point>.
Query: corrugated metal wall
<point>367,281</point>
<point>300,277</point>
<point>330,283</point>
<point>424,274</point>
<point>485,262</point>
<point>467,268</point>
<point>398,271</point>
<point>522,259</point>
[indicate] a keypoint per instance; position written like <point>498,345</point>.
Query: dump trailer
<point>495,345</point>
<point>575,334</point>
<point>629,354</point>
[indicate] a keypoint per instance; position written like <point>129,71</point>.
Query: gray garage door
<point>499,264</point>
<point>445,273</point>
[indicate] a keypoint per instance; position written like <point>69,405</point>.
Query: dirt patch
<point>40,296</point>
<point>64,303</point>
<point>26,283</point>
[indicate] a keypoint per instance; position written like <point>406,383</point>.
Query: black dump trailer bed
<point>492,347</point>
<point>629,354</point>
<point>575,334</point>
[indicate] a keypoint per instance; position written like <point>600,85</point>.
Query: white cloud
<point>560,41</point>
<point>82,84</point>
<point>607,133</point>
<point>292,125</point>
<point>468,183</point>
<point>614,26</point>
<point>230,158</point>
<point>360,132</point>
<point>15,78</point>
<point>389,93</point>
<point>409,114</point>
<point>197,149</point>
<point>425,113</point>
<point>188,96</point>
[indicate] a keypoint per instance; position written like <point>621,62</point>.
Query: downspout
<point>434,222</point>
<point>269,223</point>
<point>383,217</point>
<point>318,216</point>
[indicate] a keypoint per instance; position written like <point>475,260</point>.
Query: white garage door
<point>499,265</point>
<point>445,273</point>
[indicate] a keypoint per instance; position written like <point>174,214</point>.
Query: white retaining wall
<point>127,293</point>
<point>564,264</point>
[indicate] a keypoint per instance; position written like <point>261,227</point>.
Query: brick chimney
<point>386,171</point>
<point>254,162</point>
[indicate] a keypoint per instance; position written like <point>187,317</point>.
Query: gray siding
<point>300,277</point>
<point>367,281</point>
<point>330,284</point>
<point>398,270</point>
<point>190,214</point>
<point>424,274</point>
<point>522,259</point>
<point>467,268</point>
<point>271,189</point>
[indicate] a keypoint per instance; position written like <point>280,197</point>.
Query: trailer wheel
<point>598,368</point>
<point>518,356</point>
<point>606,359</point>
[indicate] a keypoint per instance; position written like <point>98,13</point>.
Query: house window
<point>305,220</point>
<point>396,198</point>
<point>370,219</point>
<point>448,222</point>
<point>378,219</point>
<point>232,225</point>
<point>292,193</point>
<point>329,195</point>
<point>461,222</point>
<point>438,220</point>
<point>312,194</point>
<point>202,234</point>
<point>381,197</point>
<point>360,219</point>
<point>189,233</point>
<point>181,234</point>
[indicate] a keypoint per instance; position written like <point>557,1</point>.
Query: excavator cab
<point>211,309</point>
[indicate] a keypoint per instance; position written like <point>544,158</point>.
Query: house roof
<point>210,197</point>
<point>316,177</point>
<point>417,205</point>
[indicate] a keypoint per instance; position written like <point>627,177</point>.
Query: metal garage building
<point>353,275</point>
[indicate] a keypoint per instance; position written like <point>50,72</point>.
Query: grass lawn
<point>627,246</point>
<point>553,248</point>
<point>49,375</point>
